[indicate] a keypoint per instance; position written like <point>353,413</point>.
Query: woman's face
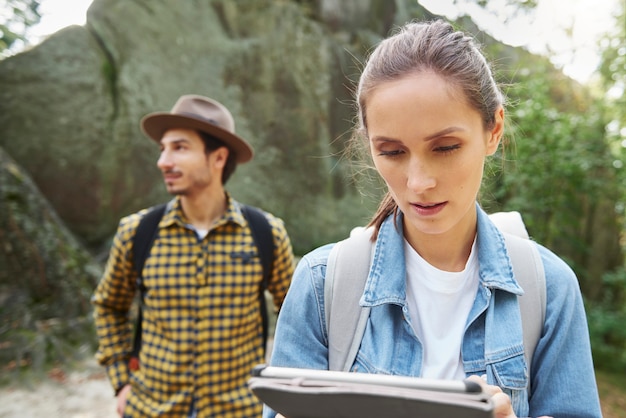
<point>429,145</point>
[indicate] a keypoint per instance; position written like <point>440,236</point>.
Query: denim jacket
<point>562,379</point>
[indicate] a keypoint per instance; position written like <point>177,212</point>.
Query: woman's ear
<point>496,132</point>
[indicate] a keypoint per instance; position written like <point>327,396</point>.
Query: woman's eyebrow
<point>430,137</point>
<point>443,132</point>
<point>384,139</point>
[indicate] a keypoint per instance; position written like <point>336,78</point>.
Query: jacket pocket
<point>511,375</point>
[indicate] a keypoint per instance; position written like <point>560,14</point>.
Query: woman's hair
<point>434,47</point>
<point>211,144</point>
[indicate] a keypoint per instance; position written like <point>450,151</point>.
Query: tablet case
<point>307,394</point>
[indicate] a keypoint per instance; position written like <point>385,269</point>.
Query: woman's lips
<point>428,209</point>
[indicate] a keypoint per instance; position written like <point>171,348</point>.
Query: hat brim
<point>154,126</point>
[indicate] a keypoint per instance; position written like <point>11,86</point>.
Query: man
<point>202,326</point>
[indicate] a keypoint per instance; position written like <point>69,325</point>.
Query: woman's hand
<point>501,402</point>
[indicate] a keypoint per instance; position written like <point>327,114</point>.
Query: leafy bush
<point>606,324</point>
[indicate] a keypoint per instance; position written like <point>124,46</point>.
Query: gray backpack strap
<point>345,318</point>
<point>529,273</point>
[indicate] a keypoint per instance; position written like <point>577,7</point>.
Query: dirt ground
<point>83,393</point>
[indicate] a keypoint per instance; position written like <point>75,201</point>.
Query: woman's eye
<point>447,149</point>
<point>392,153</point>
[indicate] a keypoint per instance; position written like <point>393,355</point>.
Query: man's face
<point>187,168</point>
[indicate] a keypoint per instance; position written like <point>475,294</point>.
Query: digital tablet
<point>306,393</point>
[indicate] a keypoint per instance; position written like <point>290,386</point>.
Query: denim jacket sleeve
<point>562,375</point>
<point>305,301</point>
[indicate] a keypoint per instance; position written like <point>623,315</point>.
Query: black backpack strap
<point>145,235</point>
<point>264,240</point>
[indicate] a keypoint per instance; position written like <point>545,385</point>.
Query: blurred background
<point>73,160</point>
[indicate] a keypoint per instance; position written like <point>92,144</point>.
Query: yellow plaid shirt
<point>202,328</point>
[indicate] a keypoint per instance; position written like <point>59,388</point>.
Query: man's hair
<point>211,144</point>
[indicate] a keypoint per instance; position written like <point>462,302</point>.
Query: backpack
<point>146,233</point>
<point>348,268</point>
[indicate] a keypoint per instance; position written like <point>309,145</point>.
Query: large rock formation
<point>70,108</point>
<point>46,276</point>
<point>69,118</point>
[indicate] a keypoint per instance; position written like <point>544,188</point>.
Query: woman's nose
<point>420,177</point>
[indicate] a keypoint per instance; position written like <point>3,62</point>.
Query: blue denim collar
<point>496,270</point>
<point>386,282</point>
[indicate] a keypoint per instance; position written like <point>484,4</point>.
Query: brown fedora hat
<point>203,114</point>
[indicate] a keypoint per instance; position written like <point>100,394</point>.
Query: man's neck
<point>203,210</point>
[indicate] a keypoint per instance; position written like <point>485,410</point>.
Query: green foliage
<point>606,324</point>
<point>613,72</point>
<point>607,315</point>
<point>563,170</point>
<point>558,171</point>
<point>613,65</point>
<point>21,15</point>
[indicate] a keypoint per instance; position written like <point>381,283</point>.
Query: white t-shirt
<point>439,303</point>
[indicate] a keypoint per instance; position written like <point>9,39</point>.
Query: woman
<point>430,113</point>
